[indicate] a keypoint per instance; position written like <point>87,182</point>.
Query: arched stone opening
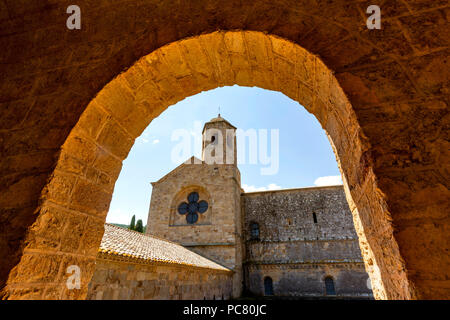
<point>396,79</point>
<point>74,203</point>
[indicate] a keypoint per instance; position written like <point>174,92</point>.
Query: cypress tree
<point>132,223</point>
<point>139,226</point>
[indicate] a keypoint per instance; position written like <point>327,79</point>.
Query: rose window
<point>192,208</point>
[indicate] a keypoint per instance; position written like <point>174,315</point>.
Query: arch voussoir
<point>91,158</point>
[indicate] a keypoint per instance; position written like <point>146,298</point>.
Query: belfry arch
<point>75,201</point>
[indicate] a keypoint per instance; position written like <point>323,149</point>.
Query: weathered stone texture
<point>298,252</point>
<point>217,233</point>
<point>390,136</point>
<point>307,280</point>
<point>217,225</point>
<point>122,280</point>
<point>287,215</point>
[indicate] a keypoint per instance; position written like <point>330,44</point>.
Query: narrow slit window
<point>268,286</point>
<point>314,217</point>
<point>329,286</point>
<point>254,231</point>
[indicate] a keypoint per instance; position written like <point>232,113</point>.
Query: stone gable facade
<point>217,234</point>
<point>298,242</point>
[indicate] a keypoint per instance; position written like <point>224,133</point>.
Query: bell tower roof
<point>217,120</point>
<point>219,142</point>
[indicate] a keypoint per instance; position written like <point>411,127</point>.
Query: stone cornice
<point>298,240</point>
<point>205,244</point>
<point>293,190</point>
<point>310,262</point>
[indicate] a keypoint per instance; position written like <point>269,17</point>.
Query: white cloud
<point>141,140</point>
<point>270,186</point>
<point>273,186</point>
<point>328,181</point>
<point>248,188</point>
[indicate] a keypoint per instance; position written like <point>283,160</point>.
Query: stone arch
<point>76,197</point>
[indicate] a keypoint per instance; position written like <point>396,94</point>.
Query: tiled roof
<point>122,242</point>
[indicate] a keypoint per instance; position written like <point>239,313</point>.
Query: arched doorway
<point>120,112</point>
<point>78,193</point>
<point>396,81</point>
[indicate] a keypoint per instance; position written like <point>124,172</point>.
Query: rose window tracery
<point>192,208</point>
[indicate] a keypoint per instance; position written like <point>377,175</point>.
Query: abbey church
<point>208,239</point>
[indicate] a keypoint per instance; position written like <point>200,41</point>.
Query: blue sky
<point>305,155</point>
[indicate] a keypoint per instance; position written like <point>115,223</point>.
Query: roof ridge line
<point>293,189</point>
<point>152,236</point>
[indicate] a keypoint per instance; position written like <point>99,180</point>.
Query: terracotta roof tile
<point>128,243</point>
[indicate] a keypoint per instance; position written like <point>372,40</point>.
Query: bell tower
<point>219,153</point>
<point>219,142</point>
<point>198,204</point>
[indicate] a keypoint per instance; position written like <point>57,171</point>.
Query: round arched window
<point>329,286</point>
<point>268,286</point>
<point>192,208</point>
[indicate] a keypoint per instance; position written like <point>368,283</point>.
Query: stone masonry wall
<point>382,96</point>
<point>298,252</point>
<point>124,280</point>
<point>307,279</point>
<point>286,215</point>
<point>220,225</point>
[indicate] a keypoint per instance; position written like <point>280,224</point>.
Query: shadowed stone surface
<point>393,152</point>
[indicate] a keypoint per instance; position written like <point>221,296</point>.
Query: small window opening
<point>329,286</point>
<point>254,231</point>
<point>268,286</point>
<point>314,217</point>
